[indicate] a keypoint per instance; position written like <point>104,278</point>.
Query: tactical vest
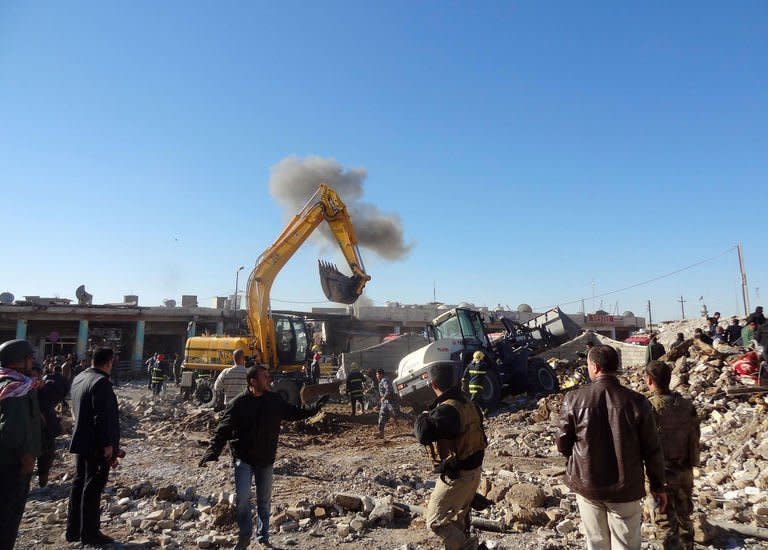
<point>471,437</point>
<point>676,423</point>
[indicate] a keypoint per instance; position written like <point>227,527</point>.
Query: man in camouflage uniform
<point>678,428</point>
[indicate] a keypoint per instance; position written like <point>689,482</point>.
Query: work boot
<point>243,543</point>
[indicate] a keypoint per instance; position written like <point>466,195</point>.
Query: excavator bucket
<point>313,392</point>
<point>337,286</point>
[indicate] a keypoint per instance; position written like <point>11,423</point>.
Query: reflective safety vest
<point>471,437</point>
<point>355,384</point>
<point>476,371</point>
<point>157,375</point>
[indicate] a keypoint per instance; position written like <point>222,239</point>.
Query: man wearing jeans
<point>251,423</point>
<point>609,435</point>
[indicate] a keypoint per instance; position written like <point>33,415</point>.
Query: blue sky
<point>529,149</point>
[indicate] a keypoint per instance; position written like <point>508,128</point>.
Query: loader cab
<point>462,324</point>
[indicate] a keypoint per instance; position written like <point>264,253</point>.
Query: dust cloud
<point>293,181</point>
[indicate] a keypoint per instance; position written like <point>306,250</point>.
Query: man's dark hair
<point>590,345</point>
<point>698,331</point>
<point>380,371</point>
<point>680,336</point>
<point>605,357</point>
<point>442,376</point>
<point>102,356</point>
<point>254,371</point>
<point>660,373</point>
<point>238,354</point>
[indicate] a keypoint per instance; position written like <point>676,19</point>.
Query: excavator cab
<point>291,340</point>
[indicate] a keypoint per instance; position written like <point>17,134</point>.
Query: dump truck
<point>459,332</point>
<point>282,342</point>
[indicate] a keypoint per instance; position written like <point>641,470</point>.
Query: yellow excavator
<point>282,341</point>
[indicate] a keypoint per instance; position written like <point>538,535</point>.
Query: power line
<point>671,273</point>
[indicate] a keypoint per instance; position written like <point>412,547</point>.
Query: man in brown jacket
<point>609,435</point>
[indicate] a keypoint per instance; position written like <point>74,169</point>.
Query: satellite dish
<point>6,298</point>
<point>169,303</point>
<point>83,298</point>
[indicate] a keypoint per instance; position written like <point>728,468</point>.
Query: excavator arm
<point>324,205</point>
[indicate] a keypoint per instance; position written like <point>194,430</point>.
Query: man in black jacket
<point>96,445</point>
<point>609,435</point>
<point>251,423</point>
<point>453,431</point>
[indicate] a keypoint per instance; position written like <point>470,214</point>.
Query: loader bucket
<point>313,392</point>
<point>337,286</point>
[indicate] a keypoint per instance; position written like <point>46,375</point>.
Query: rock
<point>319,512</point>
<point>169,493</point>
<point>526,495</point>
<point>298,512</point>
<point>143,489</point>
<point>117,509</point>
<point>165,524</point>
<point>204,542</point>
<point>157,515</point>
<point>124,501</point>
<point>368,505</point>
<point>348,501</point>
<point>498,491</point>
<point>123,492</point>
<point>565,526</point>
<point>304,523</point>
<point>290,526</point>
<point>383,512</point>
<point>357,524</point>
<point>343,529</point>
<point>223,514</point>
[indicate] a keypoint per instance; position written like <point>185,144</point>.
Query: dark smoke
<point>294,180</point>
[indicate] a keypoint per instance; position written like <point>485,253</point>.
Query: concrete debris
<point>337,485</point>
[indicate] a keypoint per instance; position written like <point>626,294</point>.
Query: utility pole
<point>682,306</point>
<point>650,319</point>
<point>744,288</point>
<point>434,291</point>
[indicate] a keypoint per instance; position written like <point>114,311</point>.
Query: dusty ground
<point>334,452</point>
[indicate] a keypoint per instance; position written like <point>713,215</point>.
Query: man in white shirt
<point>232,381</point>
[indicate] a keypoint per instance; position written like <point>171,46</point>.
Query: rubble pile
<point>336,484</point>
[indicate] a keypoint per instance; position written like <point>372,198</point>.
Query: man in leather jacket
<point>453,429</point>
<point>251,424</point>
<point>609,435</point>
<point>679,433</point>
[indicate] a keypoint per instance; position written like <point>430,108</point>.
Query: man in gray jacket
<point>609,435</point>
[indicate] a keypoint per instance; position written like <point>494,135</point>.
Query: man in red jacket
<point>609,435</point>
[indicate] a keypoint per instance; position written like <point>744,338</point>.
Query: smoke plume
<point>294,180</point>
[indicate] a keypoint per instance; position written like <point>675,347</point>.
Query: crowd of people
<point>617,442</point>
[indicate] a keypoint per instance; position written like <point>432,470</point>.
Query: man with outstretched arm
<point>251,424</point>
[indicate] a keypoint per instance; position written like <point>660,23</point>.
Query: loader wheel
<point>491,394</point>
<point>203,393</point>
<point>288,390</point>
<point>541,377</point>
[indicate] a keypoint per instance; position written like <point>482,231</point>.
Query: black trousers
<point>45,460</point>
<point>14,488</point>
<point>84,513</point>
